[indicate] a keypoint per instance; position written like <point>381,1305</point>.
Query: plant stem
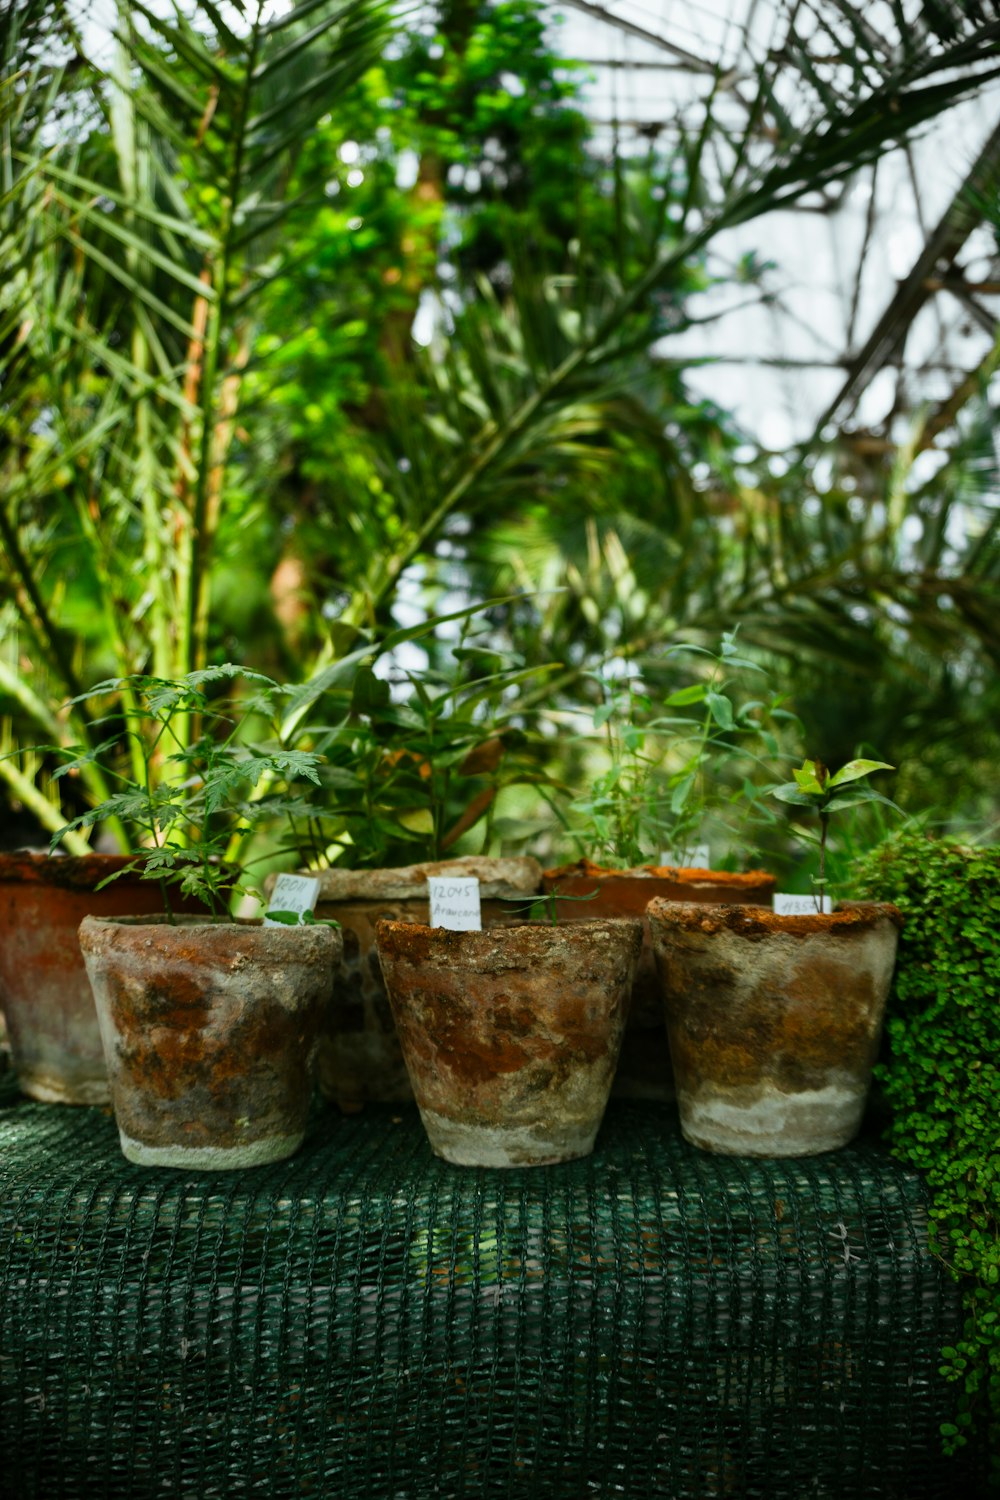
<point>824,824</point>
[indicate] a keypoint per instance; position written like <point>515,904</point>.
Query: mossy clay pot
<point>773,1021</point>
<point>511,1035</point>
<point>209,1033</point>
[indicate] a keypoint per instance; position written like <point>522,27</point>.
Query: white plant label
<point>698,857</point>
<point>455,902</point>
<point>297,893</point>
<point>800,906</point>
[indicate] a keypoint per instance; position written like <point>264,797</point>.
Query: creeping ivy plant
<point>826,793</point>
<point>188,763</point>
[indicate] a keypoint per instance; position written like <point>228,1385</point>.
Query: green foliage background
<point>220,440</point>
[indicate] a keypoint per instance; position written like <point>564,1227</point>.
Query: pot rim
<point>180,919</point>
<point>75,871</point>
<point>72,871</point>
<point>756,922</point>
<point>160,927</point>
<point>500,876</point>
<point>576,932</point>
<point>585,869</point>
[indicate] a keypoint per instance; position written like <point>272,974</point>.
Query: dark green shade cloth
<point>366,1321</point>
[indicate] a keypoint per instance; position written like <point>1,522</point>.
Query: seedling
<point>543,908</point>
<point>824,793</point>
<point>189,768</point>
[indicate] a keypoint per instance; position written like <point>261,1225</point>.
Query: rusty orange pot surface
<point>644,1070</point>
<point>44,991</point>
<point>209,1031</point>
<point>774,1021</point>
<point>511,1035</point>
<point>359,1058</point>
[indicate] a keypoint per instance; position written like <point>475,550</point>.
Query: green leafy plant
<point>825,793</point>
<point>941,1078</point>
<point>418,762</point>
<point>664,773</point>
<point>545,908</point>
<point>194,794</point>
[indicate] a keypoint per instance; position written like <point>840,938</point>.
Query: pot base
<point>54,1090</point>
<point>212,1158</point>
<point>772,1123</point>
<point>506,1145</point>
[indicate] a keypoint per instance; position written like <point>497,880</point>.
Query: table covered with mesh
<point>366,1321</point>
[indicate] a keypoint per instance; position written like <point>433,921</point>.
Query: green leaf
<point>721,709</point>
<point>789,791</point>
<point>684,696</point>
<point>807,778</point>
<point>370,693</point>
<point>680,793</point>
<point>855,769</point>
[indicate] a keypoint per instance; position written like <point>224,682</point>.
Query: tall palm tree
<point>145,199</point>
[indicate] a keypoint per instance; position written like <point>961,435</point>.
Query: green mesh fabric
<point>365,1321</point>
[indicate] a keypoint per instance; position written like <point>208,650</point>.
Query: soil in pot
<point>511,1035</point>
<point>774,1021</point>
<point>44,991</point>
<point>209,1032</point>
<point>359,1058</point>
<point>644,1070</point>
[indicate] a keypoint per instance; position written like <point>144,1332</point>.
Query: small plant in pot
<point>415,763</point>
<point>655,799</point>
<point>208,1025</point>
<point>774,1021</point>
<point>511,1035</point>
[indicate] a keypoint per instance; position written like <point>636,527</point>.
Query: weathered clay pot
<point>773,1021</point>
<point>359,1057</point>
<point>511,1035</point>
<point>644,1066</point>
<point>209,1030</point>
<point>54,1036</point>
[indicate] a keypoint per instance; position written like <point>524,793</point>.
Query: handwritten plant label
<point>455,902</point>
<point>800,906</point>
<point>297,893</point>
<point>698,857</point>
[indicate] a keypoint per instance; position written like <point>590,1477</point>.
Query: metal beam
<point>600,13</point>
<point>935,260</point>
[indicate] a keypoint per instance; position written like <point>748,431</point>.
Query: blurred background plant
<point>680,769</point>
<point>317,322</point>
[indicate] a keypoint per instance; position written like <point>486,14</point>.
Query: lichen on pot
<point>773,1021</point>
<point>209,1030</point>
<point>511,1035</point>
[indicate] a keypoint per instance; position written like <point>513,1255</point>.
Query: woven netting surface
<point>366,1321</point>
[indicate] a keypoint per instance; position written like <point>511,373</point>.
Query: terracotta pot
<point>510,1035</point>
<point>209,1030</point>
<point>774,1021</point>
<point>644,1070</point>
<point>359,1057</point>
<point>54,1036</point>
